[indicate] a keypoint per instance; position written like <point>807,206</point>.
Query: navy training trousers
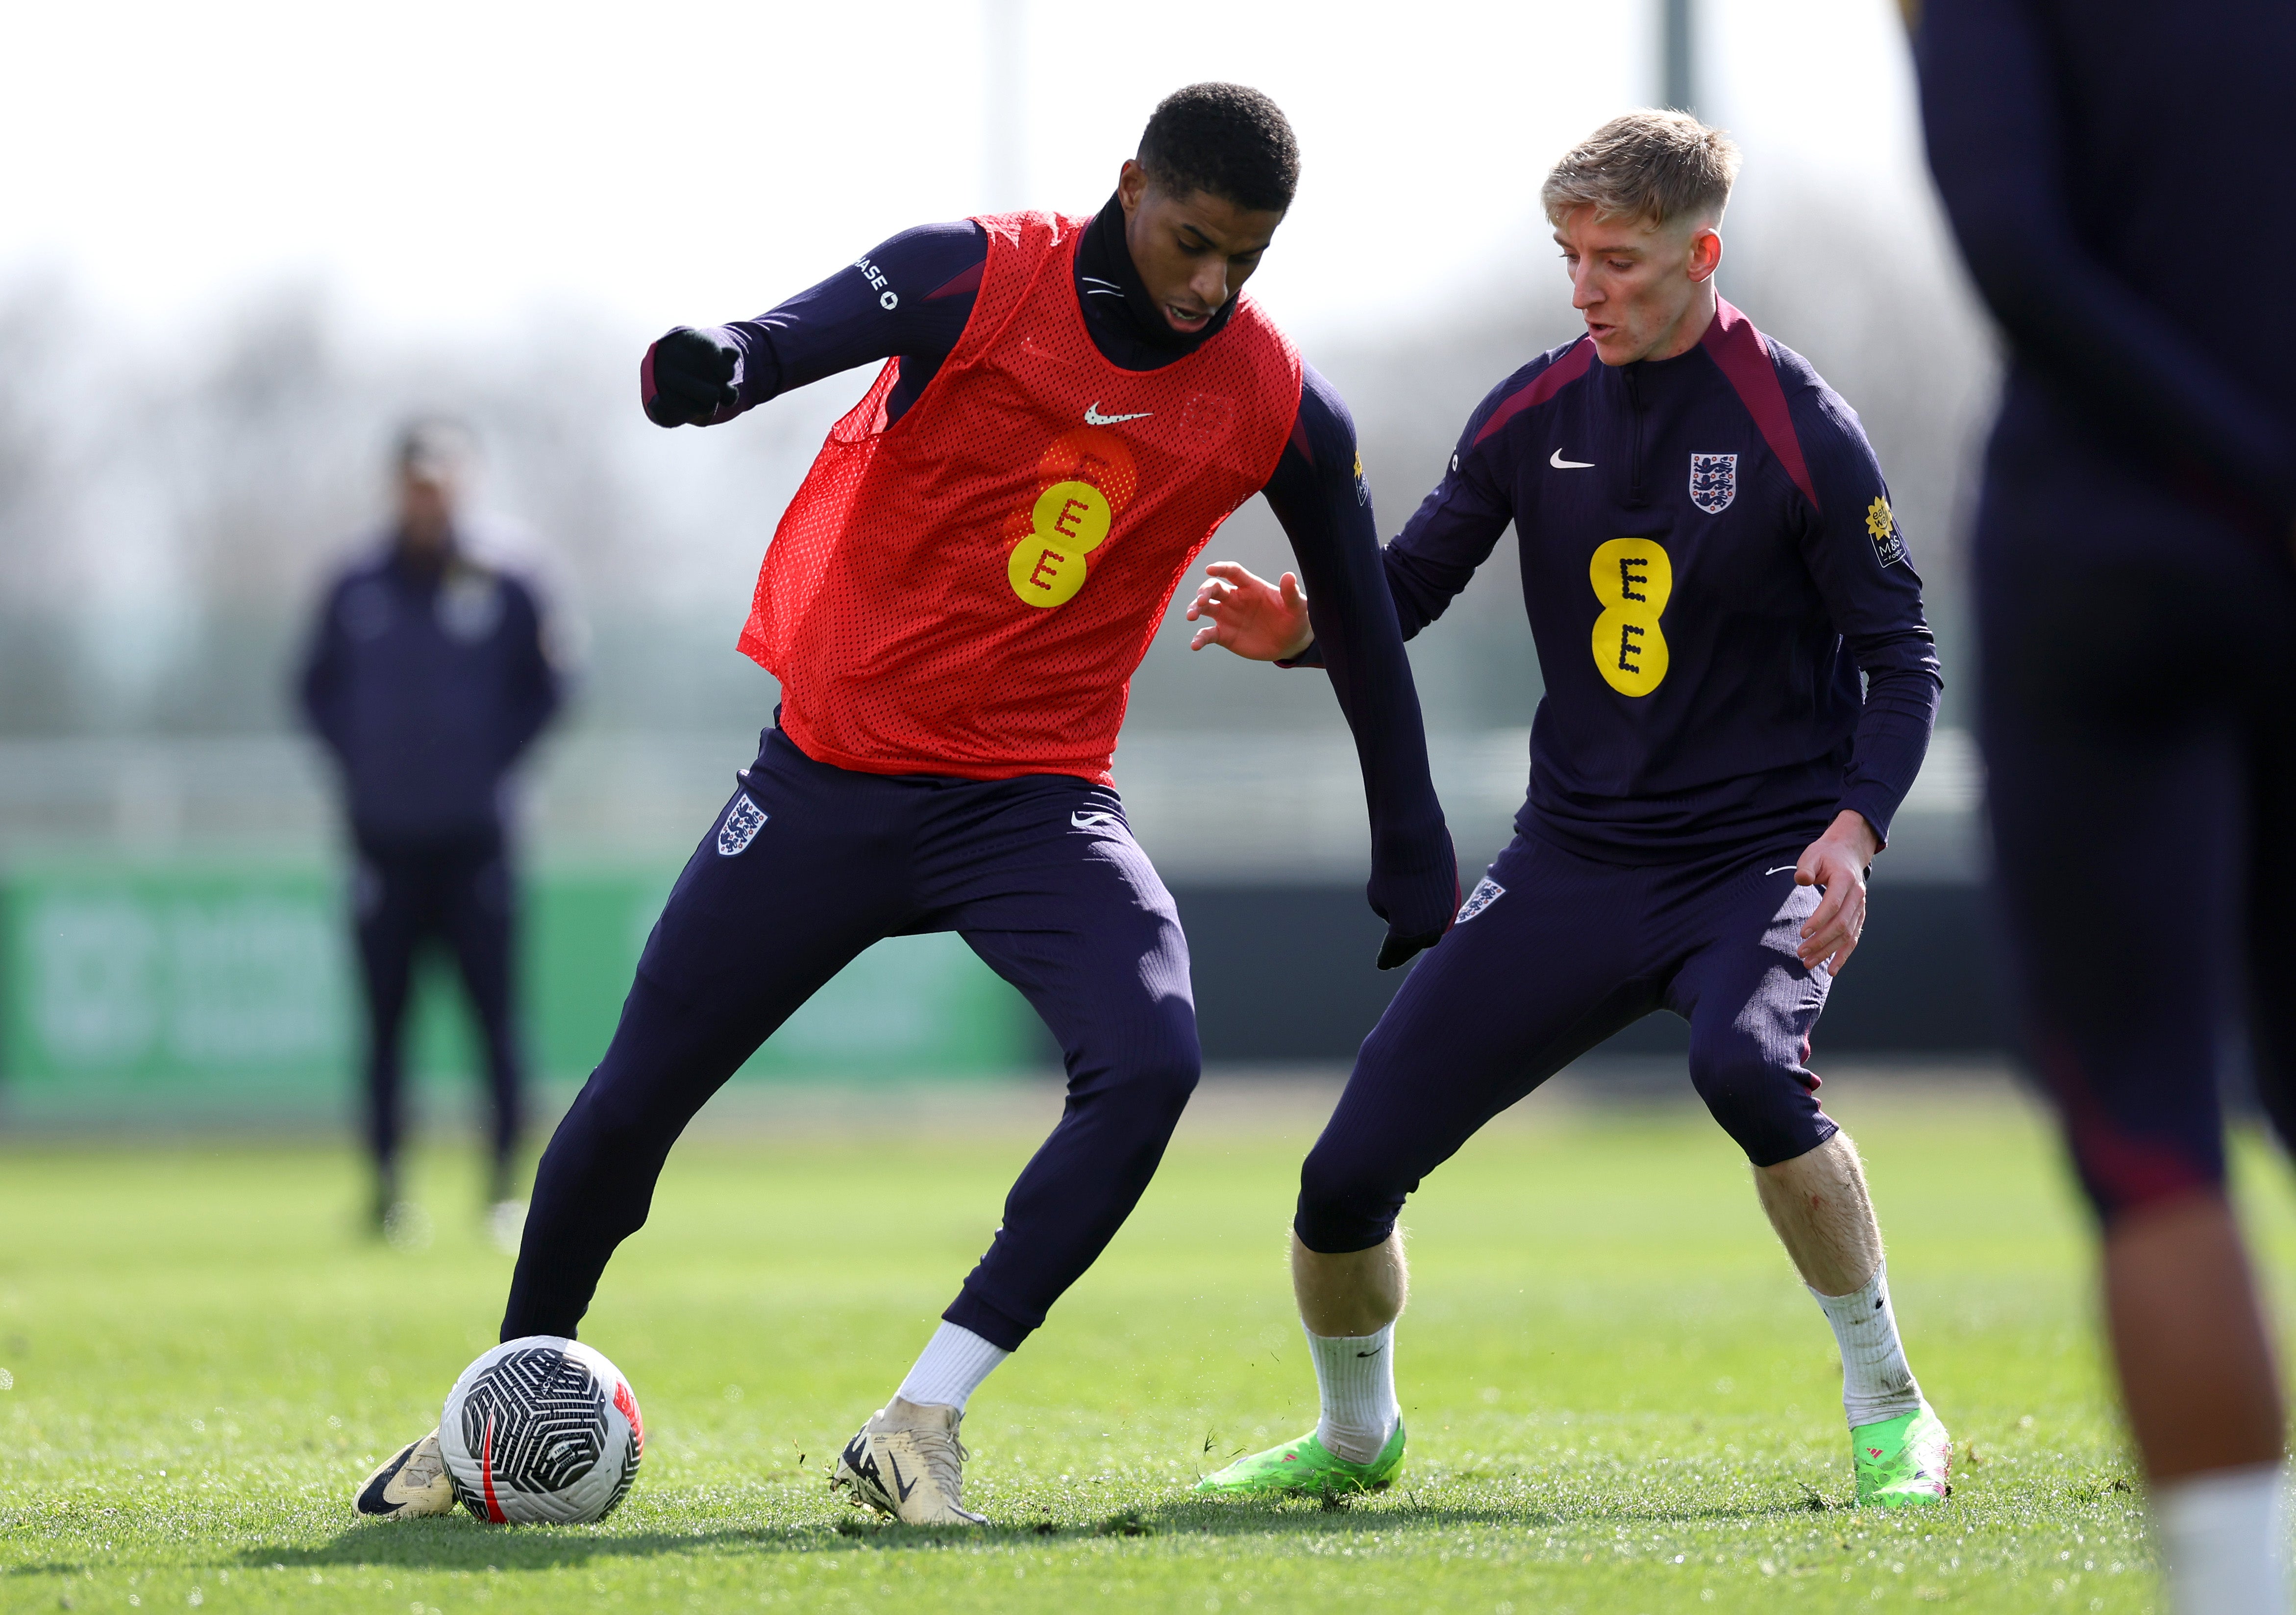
<point>1554,953</point>
<point>808,865</point>
<point>459,894</point>
<point>2138,718</point>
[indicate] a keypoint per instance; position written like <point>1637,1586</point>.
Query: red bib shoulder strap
<point>1022,248</point>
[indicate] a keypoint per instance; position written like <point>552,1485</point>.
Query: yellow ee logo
<point>1633,578</point>
<point>1067,522</point>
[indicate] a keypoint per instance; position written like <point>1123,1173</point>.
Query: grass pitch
<point>1619,1398</point>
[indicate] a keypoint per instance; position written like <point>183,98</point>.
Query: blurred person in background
<point>1757,703</point>
<point>427,679</point>
<point>2109,168</point>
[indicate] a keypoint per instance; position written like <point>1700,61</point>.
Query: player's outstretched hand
<point>687,378</point>
<point>1835,863</point>
<point>1253,618</point>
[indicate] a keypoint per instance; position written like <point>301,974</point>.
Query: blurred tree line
<point>169,505</point>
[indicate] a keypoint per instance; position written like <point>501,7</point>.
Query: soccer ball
<point>541,1431</point>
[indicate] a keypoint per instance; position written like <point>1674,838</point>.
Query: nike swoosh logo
<point>1092,417</point>
<point>1367,1354</point>
<point>1560,463</point>
<point>1095,821</point>
<point>905,1487</point>
<point>1780,869</point>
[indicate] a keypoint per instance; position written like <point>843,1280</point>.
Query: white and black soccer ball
<point>541,1430</point>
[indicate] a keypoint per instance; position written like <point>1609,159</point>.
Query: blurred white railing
<point>1273,806</point>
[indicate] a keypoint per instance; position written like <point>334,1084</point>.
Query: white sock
<point>950,1368</point>
<point>1876,1384</point>
<point>1355,1374</point>
<point>2223,1541</point>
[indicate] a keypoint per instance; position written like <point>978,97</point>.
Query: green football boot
<point>1305,1469</point>
<point>1902,1462</point>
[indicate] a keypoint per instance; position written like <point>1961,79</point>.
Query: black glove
<point>687,378</point>
<point>1399,951</point>
<point>1418,896</point>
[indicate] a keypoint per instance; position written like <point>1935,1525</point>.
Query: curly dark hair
<point>1225,138</point>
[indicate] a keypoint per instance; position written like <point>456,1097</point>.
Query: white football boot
<point>908,1463</point>
<point>410,1486</point>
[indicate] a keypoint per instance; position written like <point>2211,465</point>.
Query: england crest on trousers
<point>1486,892</point>
<point>743,819</point>
<point>1713,482</point>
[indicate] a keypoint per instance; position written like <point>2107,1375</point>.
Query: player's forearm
<point>1422,585</point>
<point>1419,588</point>
<point>910,295</point>
<point>1893,738</point>
<point>1357,642</point>
<point>1990,105</point>
<point>781,351</point>
<point>1318,494</point>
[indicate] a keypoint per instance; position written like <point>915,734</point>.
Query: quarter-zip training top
<point>1710,561</point>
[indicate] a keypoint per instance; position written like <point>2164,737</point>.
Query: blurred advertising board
<point>234,983</point>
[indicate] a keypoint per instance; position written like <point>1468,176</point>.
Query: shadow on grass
<point>458,1543</point>
<point>1401,1510</point>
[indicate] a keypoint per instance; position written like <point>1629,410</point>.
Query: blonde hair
<point>1658,167</point>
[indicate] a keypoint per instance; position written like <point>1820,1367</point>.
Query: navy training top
<point>910,297</point>
<point>1708,562</point>
<point>2108,166</point>
<point>427,683</point>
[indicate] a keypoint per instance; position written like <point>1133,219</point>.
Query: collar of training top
<point>1102,256</point>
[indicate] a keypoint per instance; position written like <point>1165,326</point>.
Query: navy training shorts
<point>1553,953</point>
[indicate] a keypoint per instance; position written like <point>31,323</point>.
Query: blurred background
<point>240,243</point>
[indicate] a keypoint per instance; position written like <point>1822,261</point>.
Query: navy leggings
<point>457,894</point>
<point>808,865</point>
<point>1553,953</point>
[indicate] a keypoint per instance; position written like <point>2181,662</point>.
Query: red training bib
<point>969,590</point>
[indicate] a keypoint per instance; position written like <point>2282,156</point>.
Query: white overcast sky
<point>442,166</point>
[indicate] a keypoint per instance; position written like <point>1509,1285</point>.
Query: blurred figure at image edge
<point>2102,165</point>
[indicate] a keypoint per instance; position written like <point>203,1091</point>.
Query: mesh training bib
<point>969,590</point>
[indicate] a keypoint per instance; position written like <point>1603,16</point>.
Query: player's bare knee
<point>1736,1094</point>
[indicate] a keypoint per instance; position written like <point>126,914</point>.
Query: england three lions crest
<point>743,819</point>
<point>1713,482</point>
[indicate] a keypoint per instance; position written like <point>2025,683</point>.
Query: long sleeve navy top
<point>911,296</point>
<point>1709,562</point>
<point>427,683</point>
<point>2108,166</point>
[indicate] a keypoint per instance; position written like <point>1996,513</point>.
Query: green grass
<point>1620,1398</point>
